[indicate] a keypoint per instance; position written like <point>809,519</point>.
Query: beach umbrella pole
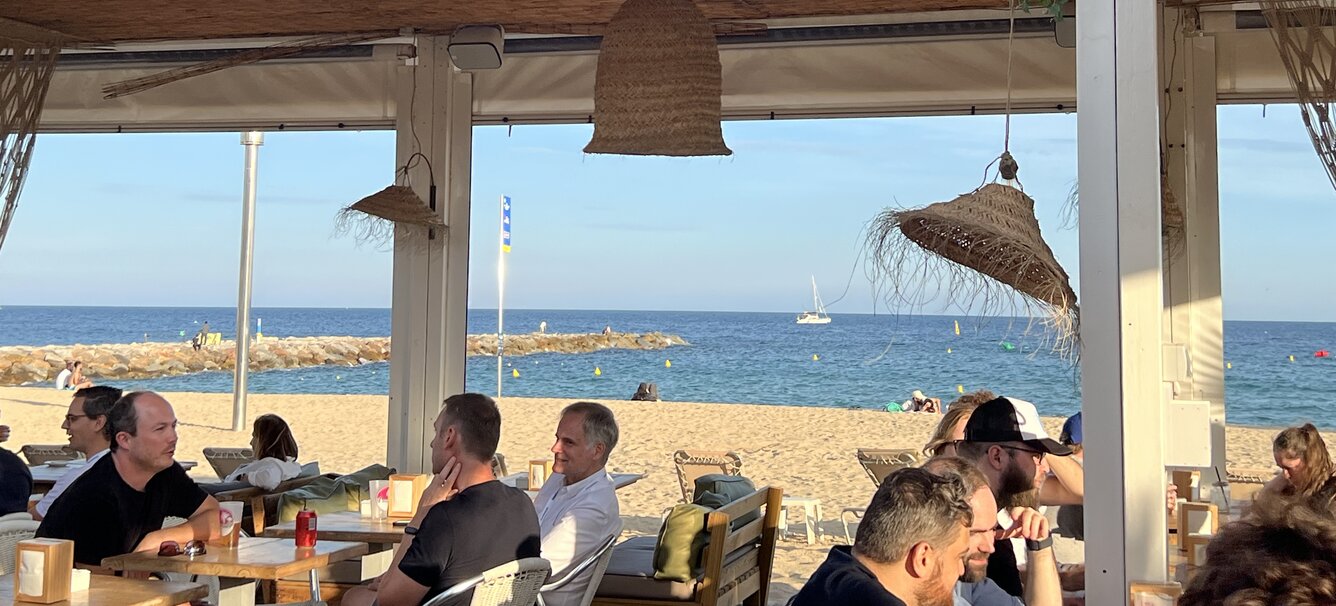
<point>252,142</point>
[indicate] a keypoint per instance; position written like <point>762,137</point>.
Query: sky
<point>155,219</point>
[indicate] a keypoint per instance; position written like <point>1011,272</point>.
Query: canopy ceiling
<point>140,20</point>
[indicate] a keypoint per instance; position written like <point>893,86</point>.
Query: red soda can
<point>306,528</point>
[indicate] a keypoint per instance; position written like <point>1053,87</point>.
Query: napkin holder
<point>405,493</point>
<point>539,471</point>
<point>43,570</point>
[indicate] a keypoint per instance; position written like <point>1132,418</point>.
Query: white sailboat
<point>815,317</point>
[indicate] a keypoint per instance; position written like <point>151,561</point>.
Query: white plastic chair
<point>11,532</point>
<point>598,560</point>
<point>510,584</point>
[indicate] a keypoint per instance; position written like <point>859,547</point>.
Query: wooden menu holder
<point>42,570</point>
<point>539,471</point>
<point>1154,594</point>
<point>405,492</point>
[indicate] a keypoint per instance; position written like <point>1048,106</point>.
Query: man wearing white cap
<point>1005,439</point>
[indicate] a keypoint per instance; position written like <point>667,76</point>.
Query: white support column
<point>430,292</point>
<point>1121,294</point>
<point>1193,313</point>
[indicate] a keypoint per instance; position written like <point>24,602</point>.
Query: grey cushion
<point>716,490</point>
<point>630,573</point>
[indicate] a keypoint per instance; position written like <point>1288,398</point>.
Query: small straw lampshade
<point>373,218</point>
<point>659,83</point>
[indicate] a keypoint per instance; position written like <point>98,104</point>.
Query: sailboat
<point>815,317</point>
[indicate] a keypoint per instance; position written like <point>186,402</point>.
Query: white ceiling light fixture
<point>475,47</point>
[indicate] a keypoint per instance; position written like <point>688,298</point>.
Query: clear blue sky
<point>155,219</point>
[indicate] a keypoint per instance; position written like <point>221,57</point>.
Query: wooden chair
<point>692,464</point>
<point>510,584</point>
<point>41,454</point>
<point>224,461</point>
<point>877,463</point>
<point>736,564</point>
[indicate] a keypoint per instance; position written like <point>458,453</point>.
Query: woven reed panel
<point>126,20</point>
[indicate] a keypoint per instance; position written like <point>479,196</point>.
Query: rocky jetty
<point>21,365</point>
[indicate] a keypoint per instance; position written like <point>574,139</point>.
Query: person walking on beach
<point>909,551</point>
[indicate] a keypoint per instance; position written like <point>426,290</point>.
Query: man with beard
<point>1005,440</point>
<point>975,588</point>
<point>909,551</point>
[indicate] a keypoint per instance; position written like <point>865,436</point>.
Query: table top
<point>344,526</point>
<point>252,558</point>
<point>50,474</point>
<point>106,590</point>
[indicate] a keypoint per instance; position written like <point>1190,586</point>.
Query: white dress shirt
<point>64,482</point>
<point>574,521</point>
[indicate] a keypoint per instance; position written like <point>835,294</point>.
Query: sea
<point>856,361</point>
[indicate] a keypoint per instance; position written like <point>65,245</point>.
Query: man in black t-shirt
<point>467,522</point>
<point>909,551</point>
<point>15,483</point>
<point>118,505</point>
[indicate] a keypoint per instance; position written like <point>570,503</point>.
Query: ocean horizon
<point>856,361</point>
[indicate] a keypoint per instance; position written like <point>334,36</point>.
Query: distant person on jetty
<point>607,330</point>
<point>542,327</point>
<point>201,337</point>
<point>577,505</point>
<point>909,551</point>
<point>86,425</point>
<point>119,504</point>
<point>1305,465</point>
<point>275,454</point>
<point>15,481</point>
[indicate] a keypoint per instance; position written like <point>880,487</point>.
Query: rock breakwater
<point>21,365</point>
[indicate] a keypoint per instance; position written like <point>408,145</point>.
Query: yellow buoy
<point>960,389</point>
<point>667,363</point>
<point>515,372</point>
<point>1291,358</point>
<point>948,350</point>
<point>815,357</point>
<point>957,327</point>
<point>1229,365</point>
<point>598,372</point>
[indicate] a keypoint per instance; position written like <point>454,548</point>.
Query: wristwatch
<point>414,530</point>
<point>1039,545</point>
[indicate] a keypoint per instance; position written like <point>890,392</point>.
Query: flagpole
<point>504,241</point>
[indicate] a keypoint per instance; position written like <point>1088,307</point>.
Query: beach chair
<point>14,528</point>
<point>510,584</point>
<point>41,454</point>
<point>877,463</point>
<point>224,461</point>
<point>499,465</point>
<point>692,464</point>
<point>598,560</point>
<point>735,566</point>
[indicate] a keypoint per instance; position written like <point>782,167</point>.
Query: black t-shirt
<point>843,580</point>
<point>1002,568</point>
<point>15,483</point>
<point>104,516</point>
<point>482,527</point>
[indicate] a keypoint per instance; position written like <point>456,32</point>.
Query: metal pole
<point>252,142</point>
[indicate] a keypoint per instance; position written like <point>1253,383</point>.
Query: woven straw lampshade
<point>374,217</point>
<point>658,87</point>
<point>974,243</point>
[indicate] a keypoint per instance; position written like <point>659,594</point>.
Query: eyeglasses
<point>70,418</point>
<point>172,548</point>
<point>1038,455</point>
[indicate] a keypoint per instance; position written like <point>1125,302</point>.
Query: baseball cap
<point>1071,430</point>
<point>1011,420</point>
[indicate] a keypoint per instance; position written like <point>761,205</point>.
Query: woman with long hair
<point>1305,465</point>
<point>275,454</point>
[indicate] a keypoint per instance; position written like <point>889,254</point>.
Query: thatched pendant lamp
<point>658,88</point>
<point>373,218</point>
<point>990,237</point>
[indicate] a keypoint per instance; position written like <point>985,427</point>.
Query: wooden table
<point>344,526</point>
<point>106,590</point>
<point>237,568</point>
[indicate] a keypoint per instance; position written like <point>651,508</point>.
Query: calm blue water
<point>865,361</point>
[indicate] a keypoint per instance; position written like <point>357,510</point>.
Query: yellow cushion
<point>678,551</point>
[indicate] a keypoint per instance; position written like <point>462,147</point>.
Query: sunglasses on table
<point>172,548</point>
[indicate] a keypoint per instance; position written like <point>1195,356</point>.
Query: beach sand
<point>807,451</point>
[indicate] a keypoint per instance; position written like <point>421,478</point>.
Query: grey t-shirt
<point>984,593</point>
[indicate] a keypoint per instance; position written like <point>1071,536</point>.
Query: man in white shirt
<point>577,506</point>
<point>86,425</point>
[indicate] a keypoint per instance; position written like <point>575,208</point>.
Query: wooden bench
<point>736,564</point>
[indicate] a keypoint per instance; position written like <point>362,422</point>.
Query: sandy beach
<point>807,451</point>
